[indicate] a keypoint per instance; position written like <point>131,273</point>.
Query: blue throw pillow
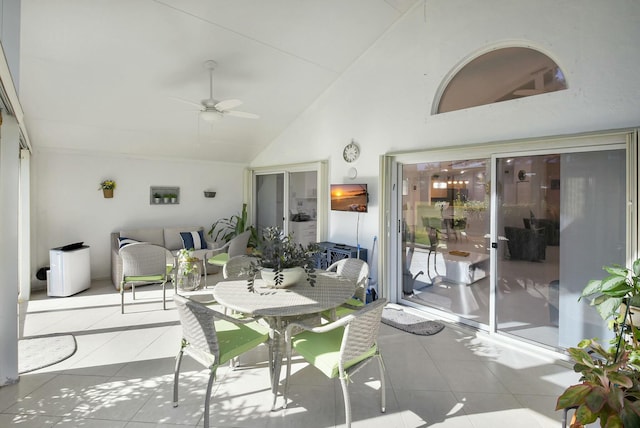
<point>126,241</point>
<point>193,240</point>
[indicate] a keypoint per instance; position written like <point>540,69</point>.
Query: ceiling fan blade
<point>182,100</point>
<point>228,104</point>
<point>243,114</point>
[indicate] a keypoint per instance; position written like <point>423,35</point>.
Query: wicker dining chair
<point>237,267</point>
<point>340,349</point>
<point>144,264</point>
<point>212,339</point>
<point>355,270</point>
<point>235,247</point>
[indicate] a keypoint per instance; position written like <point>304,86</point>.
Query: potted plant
<point>610,383</point>
<point>107,187</point>
<point>166,198</point>
<point>226,229</point>
<point>173,197</point>
<point>281,261</point>
<point>156,197</point>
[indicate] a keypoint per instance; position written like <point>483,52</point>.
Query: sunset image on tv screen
<point>349,197</point>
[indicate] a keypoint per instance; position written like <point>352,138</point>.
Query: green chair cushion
<point>219,259</point>
<point>342,311</point>
<point>354,302</point>
<point>322,350</point>
<point>147,278</point>
<point>236,339</point>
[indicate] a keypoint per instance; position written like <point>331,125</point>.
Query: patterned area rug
<point>37,352</point>
<point>410,323</point>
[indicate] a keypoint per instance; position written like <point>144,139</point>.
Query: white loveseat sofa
<point>168,237</point>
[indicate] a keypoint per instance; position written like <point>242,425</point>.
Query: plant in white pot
<point>281,261</point>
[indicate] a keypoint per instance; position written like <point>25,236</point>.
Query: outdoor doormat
<point>37,352</point>
<point>410,323</point>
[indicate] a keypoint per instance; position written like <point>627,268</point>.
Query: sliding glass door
<point>445,240</point>
<point>506,241</point>
<point>293,198</point>
<point>561,217</point>
<point>270,200</point>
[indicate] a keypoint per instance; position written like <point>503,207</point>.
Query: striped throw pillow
<point>193,240</point>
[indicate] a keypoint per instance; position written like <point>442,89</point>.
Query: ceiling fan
<point>212,110</point>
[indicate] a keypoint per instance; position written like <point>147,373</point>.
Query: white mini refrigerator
<point>70,271</point>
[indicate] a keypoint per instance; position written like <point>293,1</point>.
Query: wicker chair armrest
<point>216,251</point>
<point>221,316</point>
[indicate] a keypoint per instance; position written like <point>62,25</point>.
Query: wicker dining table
<point>279,306</point>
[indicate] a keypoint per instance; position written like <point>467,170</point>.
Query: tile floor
<point>121,376</point>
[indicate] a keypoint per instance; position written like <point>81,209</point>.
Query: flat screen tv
<point>349,197</point>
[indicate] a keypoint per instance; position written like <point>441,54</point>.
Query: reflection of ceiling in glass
<point>502,75</point>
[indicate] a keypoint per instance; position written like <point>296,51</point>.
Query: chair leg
<point>133,291</point>
<point>286,380</point>
<point>164,299</point>
<point>344,382</point>
<point>122,297</point>
<point>383,391</point>
<point>176,375</point>
<point>207,398</point>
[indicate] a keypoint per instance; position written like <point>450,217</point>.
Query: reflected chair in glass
<point>235,247</point>
<point>434,241</point>
<point>144,264</point>
<point>357,271</point>
<point>340,349</point>
<point>212,339</point>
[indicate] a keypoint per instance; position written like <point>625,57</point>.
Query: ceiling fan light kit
<point>210,115</point>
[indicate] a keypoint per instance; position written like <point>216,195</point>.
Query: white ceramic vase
<point>291,276</point>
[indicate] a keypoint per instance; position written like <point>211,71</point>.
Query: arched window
<point>501,75</point>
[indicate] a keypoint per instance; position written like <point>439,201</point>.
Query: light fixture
<point>210,115</point>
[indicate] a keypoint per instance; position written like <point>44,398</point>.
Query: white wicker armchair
<point>212,339</point>
<point>356,271</point>
<point>143,264</point>
<point>237,267</point>
<point>340,349</point>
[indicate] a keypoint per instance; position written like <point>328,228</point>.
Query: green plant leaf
<point>612,421</point>
<point>581,356</point>
<point>584,415</point>
<point>609,307</point>
<point>573,396</point>
<point>616,270</point>
<point>620,379</point>
<point>614,284</point>
<point>593,286</point>
<point>615,399</point>
<point>630,413</point>
<point>636,267</point>
<point>596,399</point>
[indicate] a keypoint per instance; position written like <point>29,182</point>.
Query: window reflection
<point>502,75</point>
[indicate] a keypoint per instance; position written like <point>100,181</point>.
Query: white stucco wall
<point>68,207</point>
<point>384,101</point>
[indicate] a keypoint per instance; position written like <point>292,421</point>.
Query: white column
<point>24,219</point>
<point>9,182</point>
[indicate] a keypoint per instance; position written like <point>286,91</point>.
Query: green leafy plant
<point>107,185</point>
<point>157,195</point>
<point>610,378</point>
<point>277,251</point>
<point>226,229</point>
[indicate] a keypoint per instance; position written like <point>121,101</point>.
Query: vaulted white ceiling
<point>100,75</point>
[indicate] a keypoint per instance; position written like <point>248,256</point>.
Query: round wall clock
<point>351,152</point>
